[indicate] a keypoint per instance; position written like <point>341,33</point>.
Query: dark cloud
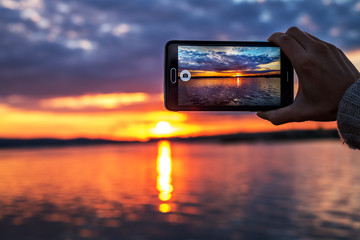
<point>60,48</point>
<point>209,59</point>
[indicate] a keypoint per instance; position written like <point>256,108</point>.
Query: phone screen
<point>228,76</point>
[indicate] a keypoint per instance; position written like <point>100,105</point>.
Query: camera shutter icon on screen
<point>185,75</point>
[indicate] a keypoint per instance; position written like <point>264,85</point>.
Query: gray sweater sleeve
<point>348,117</point>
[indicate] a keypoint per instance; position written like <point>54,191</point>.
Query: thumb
<point>279,116</point>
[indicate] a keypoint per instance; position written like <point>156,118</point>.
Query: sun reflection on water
<point>163,167</point>
<point>238,82</point>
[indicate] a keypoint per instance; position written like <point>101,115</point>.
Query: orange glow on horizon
<point>133,125</point>
<point>111,125</point>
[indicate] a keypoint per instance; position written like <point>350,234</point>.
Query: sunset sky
<point>95,68</point>
<point>205,61</point>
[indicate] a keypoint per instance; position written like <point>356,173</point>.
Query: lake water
<point>291,190</point>
<point>254,91</point>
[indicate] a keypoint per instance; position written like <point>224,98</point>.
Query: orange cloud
<point>108,101</point>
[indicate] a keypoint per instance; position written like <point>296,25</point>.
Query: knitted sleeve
<point>348,117</point>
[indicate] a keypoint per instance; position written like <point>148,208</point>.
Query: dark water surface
<point>254,91</point>
<point>298,190</point>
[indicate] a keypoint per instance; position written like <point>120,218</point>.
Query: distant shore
<point>291,135</point>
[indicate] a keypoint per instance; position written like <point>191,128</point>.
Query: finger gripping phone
<point>226,76</point>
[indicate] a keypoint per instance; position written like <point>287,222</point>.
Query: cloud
<point>66,48</point>
<point>87,103</point>
<point>107,101</point>
<point>226,58</point>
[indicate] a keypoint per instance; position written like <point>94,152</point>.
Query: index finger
<point>292,48</point>
<point>301,37</point>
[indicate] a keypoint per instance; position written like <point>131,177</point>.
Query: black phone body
<point>226,76</point>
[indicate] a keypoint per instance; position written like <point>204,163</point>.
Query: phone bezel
<point>171,89</point>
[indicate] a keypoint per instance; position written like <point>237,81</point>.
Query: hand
<point>324,73</point>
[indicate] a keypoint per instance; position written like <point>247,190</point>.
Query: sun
<point>163,128</point>
<point>238,75</point>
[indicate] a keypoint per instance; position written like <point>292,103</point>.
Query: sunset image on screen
<point>229,76</point>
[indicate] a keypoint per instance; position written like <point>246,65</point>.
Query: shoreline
<point>279,136</point>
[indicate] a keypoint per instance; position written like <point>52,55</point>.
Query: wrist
<point>348,116</point>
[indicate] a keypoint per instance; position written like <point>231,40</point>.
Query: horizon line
<point>282,135</point>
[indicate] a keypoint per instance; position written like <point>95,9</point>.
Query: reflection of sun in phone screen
<point>163,128</point>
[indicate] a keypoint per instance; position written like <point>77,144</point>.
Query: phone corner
<point>168,108</point>
<point>169,42</point>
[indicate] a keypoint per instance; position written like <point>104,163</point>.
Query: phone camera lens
<point>185,75</point>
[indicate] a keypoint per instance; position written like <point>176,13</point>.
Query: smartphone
<point>226,76</point>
